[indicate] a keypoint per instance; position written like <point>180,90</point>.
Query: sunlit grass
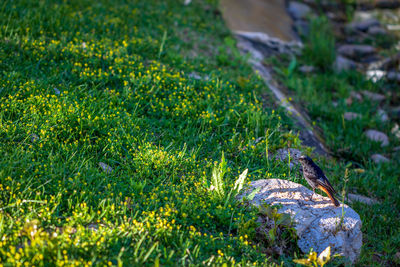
<point>108,142</point>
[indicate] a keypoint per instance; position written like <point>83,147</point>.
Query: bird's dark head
<point>305,159</point>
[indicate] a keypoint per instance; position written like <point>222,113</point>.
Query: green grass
<point>320,49</point>
<point>89,83</point>
<point>111,147</point>
<point>323,95</point>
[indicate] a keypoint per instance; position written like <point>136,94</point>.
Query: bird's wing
<point>322,180</point>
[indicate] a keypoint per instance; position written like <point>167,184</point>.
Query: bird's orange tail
<point>330,195</point>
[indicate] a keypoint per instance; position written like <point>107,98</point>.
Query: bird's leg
<point>313,192</point>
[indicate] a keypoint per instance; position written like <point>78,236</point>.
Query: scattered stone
<point>187,2</point>
<point>375,75</point>
<point>359,198</point>
<point>377,136</point>
<point>342,63</point>
<point>378,158</point>
<point>339,17</point>
<point>194,75</point>
<point>376,30</point>
<point>318,223</point>
<point>388,63</point>
<point>363,25</point>
<point>246,47</point>
<point>335,104</point>
<point>34,138</point>
<point>355,51</point>
<point>349,116</point>
<point>353,95</point>
<point>197,76</point>
<point>373,96</point>
<point>362,15</point>
<point>283,155</point>
<point>393,76</point>
<point>396,131</point>
<point>269,44</point>
<point>298,10</point>
<point>107,169</point>
<point>397,148</point>
<point>382,115</point>
<point>302,27</point>
<point>356,95</point>
<point>93,226</point>
<point>306,69</point>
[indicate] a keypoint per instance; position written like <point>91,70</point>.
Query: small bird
<point>316,178</point>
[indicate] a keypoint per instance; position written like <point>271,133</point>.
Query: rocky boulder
<point>343,63</point>
<point>377,136</point>
<point>284,154</point>
<point>298,10</point>
<point>355,51</point>
<point>318,223</point>
<point>349,116</point>
<point>363,25</point>
<point>378,158</point>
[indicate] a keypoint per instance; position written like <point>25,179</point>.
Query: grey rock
<point>378,158</point>
<point>197,76</point>
<point>363,25</point>
<point>349,116</point>
<point>34,138</point>
<point>376,30</point>
<point>359,198</point>
<point>393,76</point>
<point>373,96</point>
<point>355,51</point>
<point>396,130</point>
<point>298,10</point>
<point>107,169</point>
<point>93,227</point>
<point>302,27</point>
<point>387,64</point>
<point>338,17</point>
<point>377,136</point>
<point>283,155</point>
<point>375,75</point>
<point>356,95</point>
<point>269,44</point>
<point>306,69</point>
<point>318,223</point>
<point>382,115</point>
<point>342,63</point>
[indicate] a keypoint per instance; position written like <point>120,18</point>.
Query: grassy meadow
<point>124,126</point>
<point>113,116</point>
